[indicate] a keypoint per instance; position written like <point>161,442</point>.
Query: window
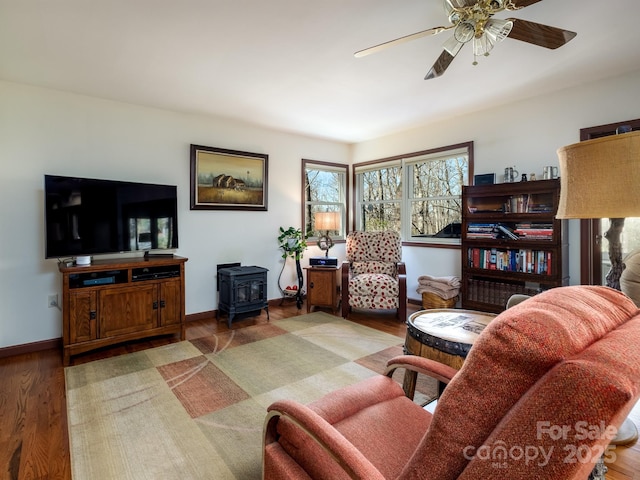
<point>325,190</point>
<point>630,239</point>
<point>418,195</point>
<point>380,192</point>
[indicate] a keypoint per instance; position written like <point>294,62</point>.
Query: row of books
<point>539,203</point>
<point>484,230</point>
<point>518,204</point>
<point>529,231</point>
<point>538,262</point>
<point>534,231</point>
<point>496,293</point>
<point>526,204</point>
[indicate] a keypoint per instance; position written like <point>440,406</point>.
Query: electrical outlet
<point>52,300</point>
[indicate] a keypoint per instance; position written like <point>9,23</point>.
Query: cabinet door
<point>128,309</point>
<point>82,316</point>
<point>322,287</point>
<point>170,302</point>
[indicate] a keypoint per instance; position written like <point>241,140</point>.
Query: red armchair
<point>539,396</point>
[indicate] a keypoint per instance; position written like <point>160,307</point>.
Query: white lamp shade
<point>328,221</point>
<point>600,178</point>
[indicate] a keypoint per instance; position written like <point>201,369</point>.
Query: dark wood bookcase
<point>511,242</point>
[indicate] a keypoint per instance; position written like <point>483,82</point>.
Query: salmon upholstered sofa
<point>540,395</point>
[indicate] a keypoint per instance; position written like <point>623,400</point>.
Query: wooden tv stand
<point>117,300</point>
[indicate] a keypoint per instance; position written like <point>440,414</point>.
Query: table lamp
<point>327,221</point>
<point>600,178</point>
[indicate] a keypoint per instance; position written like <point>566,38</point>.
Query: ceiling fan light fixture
<point>494,31</point>
<point>482,46</point>
<point>464,32</point>
<point>498,29</point>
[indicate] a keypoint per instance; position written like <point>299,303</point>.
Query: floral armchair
<point>373,275</point>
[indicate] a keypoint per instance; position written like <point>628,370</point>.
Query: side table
<point>323,285</point>
<point>444,335</point>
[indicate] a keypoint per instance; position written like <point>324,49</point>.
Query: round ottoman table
<point>444,335</point>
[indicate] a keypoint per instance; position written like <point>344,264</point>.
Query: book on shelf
<point>490,230</point>
<point>535,231</point>
<point>525,204</point>
<point>540,208</point>
<point>508,232</point>
<point>534,225</point>
<point>481,230</point>
<point>519,204</point>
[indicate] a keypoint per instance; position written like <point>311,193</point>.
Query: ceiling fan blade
<point>523,3</point>
<point>397,41</point>
<point>441,65</point>
<point>538,34</point>
<point>451,49</point>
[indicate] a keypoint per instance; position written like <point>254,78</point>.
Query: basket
<point>431,300</point>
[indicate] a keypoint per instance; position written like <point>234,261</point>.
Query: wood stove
<point>243,291</point>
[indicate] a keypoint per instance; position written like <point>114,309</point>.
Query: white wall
<point>525,134</point>
<point>45,131</point>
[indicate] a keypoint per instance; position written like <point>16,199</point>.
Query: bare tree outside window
<point>436,194</point>
<point>325,190</point>
<point>417,195</point>
<point>381,198</point>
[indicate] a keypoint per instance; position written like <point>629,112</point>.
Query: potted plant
<point>292,242</point>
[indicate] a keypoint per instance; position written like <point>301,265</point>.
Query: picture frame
<point>484,179</point>
<point>223,179</point>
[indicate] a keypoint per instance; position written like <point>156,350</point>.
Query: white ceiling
<point>289,64</point>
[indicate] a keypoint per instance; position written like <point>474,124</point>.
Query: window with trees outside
<point>419,195</point>
<point>325,190</point>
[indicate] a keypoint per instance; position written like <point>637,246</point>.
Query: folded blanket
<point>451,281</point>
<point>444,294</point>
<point>441,287</point>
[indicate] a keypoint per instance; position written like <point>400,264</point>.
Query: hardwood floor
<point>34,444</point>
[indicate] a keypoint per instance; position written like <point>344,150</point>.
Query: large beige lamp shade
<point>600,178</point>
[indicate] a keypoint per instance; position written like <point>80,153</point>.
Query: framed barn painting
<point>224,179</point>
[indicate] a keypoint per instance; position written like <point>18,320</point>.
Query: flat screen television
<point>88,216</point>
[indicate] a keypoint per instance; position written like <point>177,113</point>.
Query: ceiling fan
<point>472,21</point>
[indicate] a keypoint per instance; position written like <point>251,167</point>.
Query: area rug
<point>195,409</point>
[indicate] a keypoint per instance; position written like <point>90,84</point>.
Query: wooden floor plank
<point>22,373</point>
